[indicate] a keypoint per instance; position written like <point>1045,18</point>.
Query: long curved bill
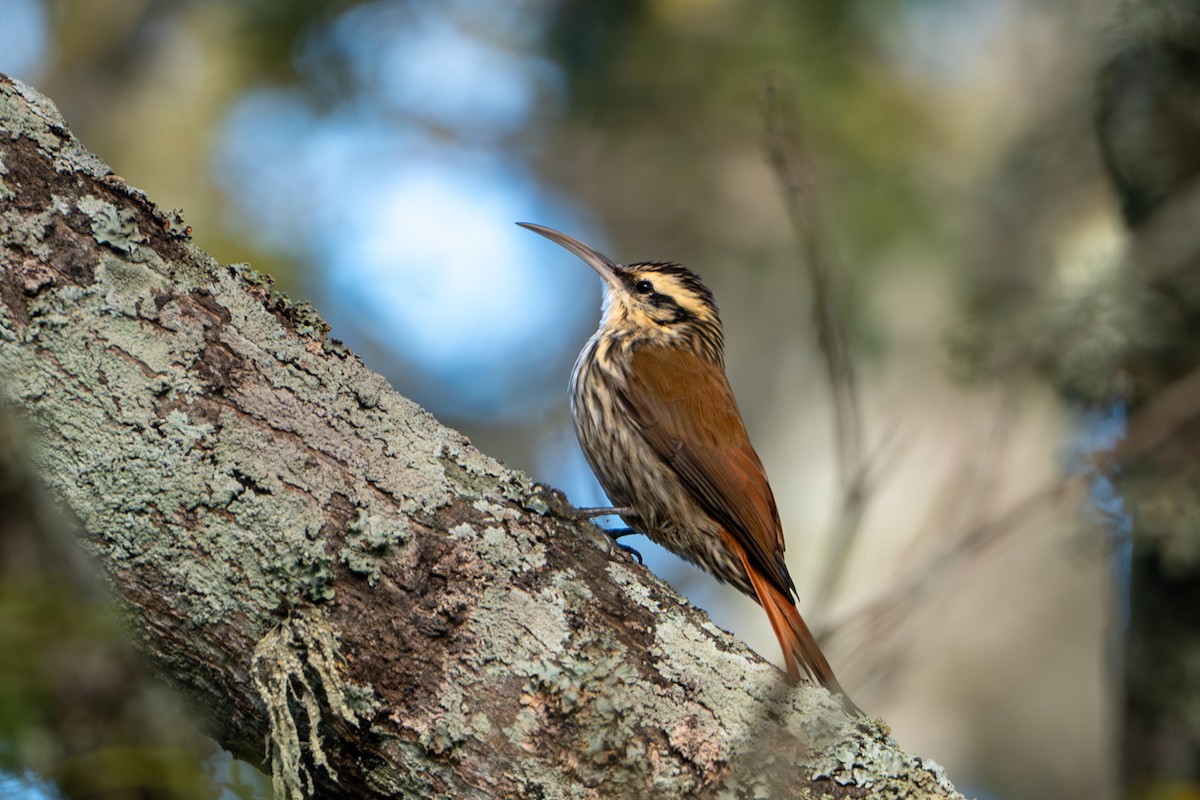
<point>593,258</point>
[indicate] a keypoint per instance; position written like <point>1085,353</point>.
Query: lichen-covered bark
<point>313,559</point>
<point>77,705</point>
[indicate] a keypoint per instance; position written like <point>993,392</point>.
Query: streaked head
<point>660,301</point>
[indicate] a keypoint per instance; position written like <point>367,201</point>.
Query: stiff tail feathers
<point>801,652</point>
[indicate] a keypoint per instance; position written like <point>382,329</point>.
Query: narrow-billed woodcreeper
<point>658,423</point>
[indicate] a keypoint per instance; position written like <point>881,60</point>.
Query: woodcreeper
<point>658,423</point>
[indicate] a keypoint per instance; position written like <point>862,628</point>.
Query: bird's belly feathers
<point>633,475</point>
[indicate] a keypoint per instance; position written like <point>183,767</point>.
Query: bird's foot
<point>617,533</point>
<point>612,533</point>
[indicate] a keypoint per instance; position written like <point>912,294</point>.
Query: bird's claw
<point>617,533</point>
<point>633,553</point>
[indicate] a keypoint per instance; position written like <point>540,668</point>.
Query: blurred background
<point>934,158</point>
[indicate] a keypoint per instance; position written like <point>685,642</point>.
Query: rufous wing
<point>686,411</point>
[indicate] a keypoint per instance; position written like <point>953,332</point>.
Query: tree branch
<point>315,562</point>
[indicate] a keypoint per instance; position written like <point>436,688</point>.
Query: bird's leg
<point>613,533</point>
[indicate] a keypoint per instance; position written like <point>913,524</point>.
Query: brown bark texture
<point>320,566</point>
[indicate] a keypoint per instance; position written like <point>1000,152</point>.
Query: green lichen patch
<point>129,282</point>
<point>301,575</point>
<point>525,724</point>
<point>523,627</point>
<point>471,480</point>
<point>514,548</point>
<point>596,697</point>
<point>336,347</point>
<point>296,668</point>
<point>112,227</point>
<point>535,497</point>
<point>871,759</point>
<point>29,233</point>
<point>250,276</point>
<point>369,536</point>
<point>174,224</point>
<point>453,722</point>
<point>636,589</point>
<point>304,316</point>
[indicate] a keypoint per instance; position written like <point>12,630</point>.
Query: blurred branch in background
<point>823,269</point>
<point>1148,123</point>
<point>883,629</point>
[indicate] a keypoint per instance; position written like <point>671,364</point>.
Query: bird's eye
<point>644,287</point>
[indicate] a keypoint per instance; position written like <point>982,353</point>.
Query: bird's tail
<point>801,652</point>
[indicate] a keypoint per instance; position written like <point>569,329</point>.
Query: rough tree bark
<point>315,562</point>
<point>78,706</point>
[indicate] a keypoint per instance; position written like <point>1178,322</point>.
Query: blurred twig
<point>961,534</point>
<point>1158,428</point>
<point>823,268</point>
<point>961,502</point>
<point>883,618</point>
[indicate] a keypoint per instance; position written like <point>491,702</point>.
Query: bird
<point>657,421</point>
